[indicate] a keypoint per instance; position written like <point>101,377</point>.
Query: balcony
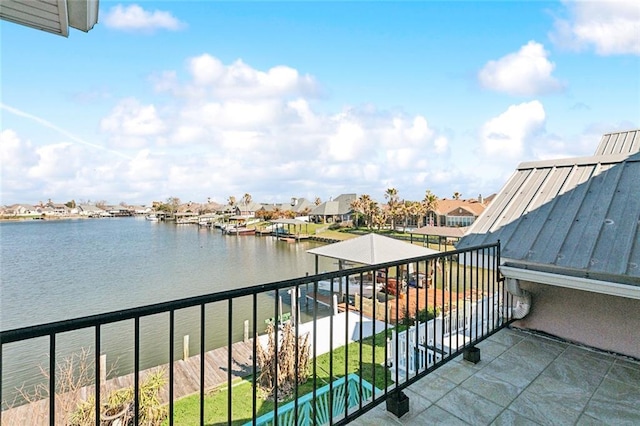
<point>524,379</point>
<point>364,355</point>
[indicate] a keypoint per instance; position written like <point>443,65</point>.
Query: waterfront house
<point>140,210</point>
<point>570,237</point>
<point>297,207</point>
<point>56,209</point>
<point>334,210</point>
<point>247,209</point>
<point>90,210</point>
<point>21,210</point>
<point>301,206</point>
<point>456,213</point>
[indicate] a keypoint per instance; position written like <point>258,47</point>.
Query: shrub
<point>286,368</point>
<point>120,405</point>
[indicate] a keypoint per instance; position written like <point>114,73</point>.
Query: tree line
<point>367,212</point>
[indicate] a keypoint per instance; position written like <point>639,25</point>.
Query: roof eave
<point>568,281</point>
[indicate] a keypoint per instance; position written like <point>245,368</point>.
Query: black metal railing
<point>371,330</point>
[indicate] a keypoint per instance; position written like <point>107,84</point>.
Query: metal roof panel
<point>580,215</point>
<point>619,143</point>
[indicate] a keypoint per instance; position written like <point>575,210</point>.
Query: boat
<point>239,230</point>
<point>152,217</point>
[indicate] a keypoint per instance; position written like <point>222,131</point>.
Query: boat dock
<point>186,381</point>
<point>186,373</point>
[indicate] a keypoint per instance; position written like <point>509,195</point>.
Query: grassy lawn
<point>187,410</point>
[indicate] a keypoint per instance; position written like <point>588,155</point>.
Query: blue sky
<point>310,99</point>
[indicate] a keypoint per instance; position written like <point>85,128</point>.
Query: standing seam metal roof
<point>579,217</point>
<point>619,143</point>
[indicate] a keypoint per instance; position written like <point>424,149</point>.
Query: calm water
<point>56,270</point>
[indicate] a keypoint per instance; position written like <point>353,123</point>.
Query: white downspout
<point>521,298</point>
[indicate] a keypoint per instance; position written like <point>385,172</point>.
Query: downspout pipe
<point>521,298</point>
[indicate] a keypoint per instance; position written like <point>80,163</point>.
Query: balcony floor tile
<point>524,379</point>
<point>511,418</point>
<point>469,407</point>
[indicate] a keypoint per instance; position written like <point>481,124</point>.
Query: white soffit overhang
<point>578,283</point>
<point>53,16</point>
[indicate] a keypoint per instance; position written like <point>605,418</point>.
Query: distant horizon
<point>225,202</point>
<point>208,99</point>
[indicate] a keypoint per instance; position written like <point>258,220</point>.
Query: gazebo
<point>444,233</point>
<point>297,225</point>
<point>369,249</point>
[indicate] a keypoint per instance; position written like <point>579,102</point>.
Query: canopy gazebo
<point>297,225</point>
<point>444,234</point>
<point>369,249</point>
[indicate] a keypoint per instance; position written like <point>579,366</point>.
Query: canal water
<point>58,270</point>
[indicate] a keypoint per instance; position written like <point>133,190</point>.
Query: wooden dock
<point>186,381</point>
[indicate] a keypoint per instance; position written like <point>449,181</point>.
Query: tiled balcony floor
<point>523,379</point>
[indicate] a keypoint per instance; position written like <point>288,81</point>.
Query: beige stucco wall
<point>605,322</point>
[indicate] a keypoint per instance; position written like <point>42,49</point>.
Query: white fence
<point>429,342</point>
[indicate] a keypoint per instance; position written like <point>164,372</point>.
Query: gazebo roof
<point>441,231</point>
<point>290,221</point>
<point>372,249</point>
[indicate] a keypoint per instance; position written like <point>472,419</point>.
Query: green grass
<point>187,410</point>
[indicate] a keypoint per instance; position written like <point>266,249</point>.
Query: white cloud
<point>505,137</point>
<point>135,18</point>
<point>347,143</point>
<point>441,144</point>
<point>56,161</point>
<point>210,77</point>
<point>16,157</point>
<point>229,129</point>
<point>526,72</point>
<point>14,152</point>
<point>131,124</point>
<point>611,27</point>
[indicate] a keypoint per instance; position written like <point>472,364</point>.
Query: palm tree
<point>420,212</point>
<point>379,218</point>
<point>357,208</point>
<point>413,211</point>
<point>430,203</point>
<point>368,207</point>
<point>246,198</point>
<point>402,211</point>
<point>391,194</point>
<point>317,201</point>
<point>457,195</point>
<point>231,200</point>
<point>305,211</point>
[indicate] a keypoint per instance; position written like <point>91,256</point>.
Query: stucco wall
<point>605,322</point>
